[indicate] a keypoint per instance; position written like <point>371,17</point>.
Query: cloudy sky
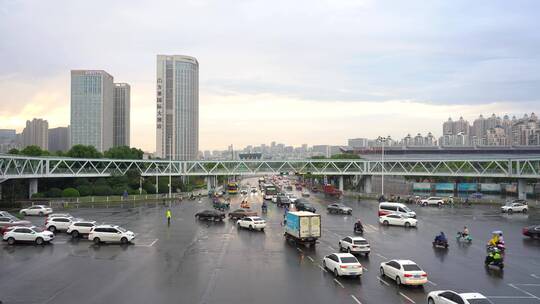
<point>292,71</point>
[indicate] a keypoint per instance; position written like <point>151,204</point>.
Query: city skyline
<point>385,69</point>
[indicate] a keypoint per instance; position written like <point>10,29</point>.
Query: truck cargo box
<point>303,225</point>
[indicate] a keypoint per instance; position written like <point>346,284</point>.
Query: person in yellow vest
<point>168,214</point>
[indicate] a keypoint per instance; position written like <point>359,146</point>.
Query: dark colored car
<point>221,204</point>
<point>532,231</point>
<point>339,208</point>
<point>241,213</point>
<point>283,201</point>
<point>304,206</point>
<point>12,221</point>
<point>210,215</point>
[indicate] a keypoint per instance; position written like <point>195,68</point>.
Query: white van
<point>399,208</point>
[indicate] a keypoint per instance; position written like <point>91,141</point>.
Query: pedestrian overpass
<point>26,167</point>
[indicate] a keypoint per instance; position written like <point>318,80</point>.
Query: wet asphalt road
<point>199,262</point>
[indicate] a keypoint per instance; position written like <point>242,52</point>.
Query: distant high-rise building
<point>36,133</point>
<point>59,139</point>
<point>8,140</point>
<point>121,117</point>
<point>358,143</point>
<point>177,121</point>
<point>92,108</point>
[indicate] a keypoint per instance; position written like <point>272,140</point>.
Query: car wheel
<point>398,281</point>
<point>52,229</point>
<point>262,229</point>
<point>349,212</point>
<point>510,211</point>
<point>23,213</point>
<point>439,204</point>
<point>124,240</point>
<point>430,301</point>
<point>39,241</point>
<point>238,225</point>
<point>11,241</point>
<point>336,274</point>
<point>385,223</point>
<point>407,224</point>
<point>40,213</point>
<point>74,234</point>
<point>349,250</point>
<point>97,241</point>
<point>525,210</point>
<point>367,254</point>
<point>324,264</point>
<point>250,227</point>
<point>381,270</point>
<point>197,216</point>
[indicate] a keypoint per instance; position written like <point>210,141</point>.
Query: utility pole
<point>383,141</point>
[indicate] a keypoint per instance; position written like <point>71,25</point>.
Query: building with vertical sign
<point>177,105</point>
<point>92,108</point>
<point>121,120</point>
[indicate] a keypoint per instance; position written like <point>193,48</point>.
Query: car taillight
<point>354,246</point>
<point>424,275</point>
<point>408,275</point>
<point>342,266</point>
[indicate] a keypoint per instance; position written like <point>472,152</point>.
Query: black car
<point>304,206</point>
<point>283,201</point>
<point>210,215</point>
<point>532,231</point>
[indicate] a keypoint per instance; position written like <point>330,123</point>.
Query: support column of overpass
<point>211,182</point>
<point>32,187</point>
<point>340,180</point>
<point>366,184</point>
<point>522,189</point>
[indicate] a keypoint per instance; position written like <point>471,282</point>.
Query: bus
<point>269,191</point>
<point>232,188</point>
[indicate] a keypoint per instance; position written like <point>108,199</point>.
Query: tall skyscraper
<point>59,139</point>
<point>121,120</point>
<point>177,101</point>
<point>8,140</point>
<point>92,108</point>
<point>36,133</point>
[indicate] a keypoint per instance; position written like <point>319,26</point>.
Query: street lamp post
<point>383,141</point>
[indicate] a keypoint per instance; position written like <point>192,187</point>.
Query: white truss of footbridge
<point>17,167</point>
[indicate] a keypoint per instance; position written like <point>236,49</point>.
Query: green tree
<point>101,190</point>
<point>13,151</point>
<point>85,190</point>
<point>82,151</point>
<point>54,192</point>
<point>345,156</point>
<point>33,151</point>
<point>70,192</point>
<point>124,152</point>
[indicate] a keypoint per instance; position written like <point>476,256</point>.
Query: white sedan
<point>404,272</point>
<point>28,234</point>
<point>36,210</point>
<point>252,222</point>
<point>515,207</point>
<point>354,245</point>
<point>433,201</point>
<point>451,297</point>
<point>397,220</point>
<point>343,264</point>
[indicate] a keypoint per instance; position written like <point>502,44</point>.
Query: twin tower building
<point>100,109</point>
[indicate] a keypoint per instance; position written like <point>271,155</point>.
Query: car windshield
<point>349,260</point>
<point>479,301</point>
<point>121,229</point>
<point>411,267</point>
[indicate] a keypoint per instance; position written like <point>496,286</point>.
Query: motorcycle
<point>358,229</point>
<point>491,261</point>
<point>461,238</point>
<point>440,244</point>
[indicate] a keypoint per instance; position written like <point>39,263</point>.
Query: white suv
<point>59,223</point>
<point>110,233</point>
<point>80,228</point>
<point>36,210</point>
<point>432,201</point>
<point>28,234</point>
<point>354,245</point>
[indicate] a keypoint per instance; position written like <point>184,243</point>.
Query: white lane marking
<point>381,256</point>
<point>355,299</point>
<point>509,297</point>
<point>535,276</point>
<point>339,283</point>
<point>407,298</point>
<point>364,268</point>
<point>432,283</point>
<point>332,248</point>
<point>297,248</point>
<point>372,227</point>
<point>152,244</point>
<point>310,258</point>
<point>321,268</point>
<point>523,291</point>
<point>59,242</point>
<point>147,245</point>
<point>383,281</point>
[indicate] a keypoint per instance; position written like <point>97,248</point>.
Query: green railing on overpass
<point>15,167</point>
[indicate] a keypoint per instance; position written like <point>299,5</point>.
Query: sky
<point>304,71</point>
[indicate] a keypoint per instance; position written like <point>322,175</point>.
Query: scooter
<point>490,261</point>
<point>440,244</point>
<point>461,238</point>
<point>359,230</point>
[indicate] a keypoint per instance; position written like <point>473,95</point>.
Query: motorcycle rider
<point>465,232</point>
<point>441,238</point>
<point>264,206</point>
<point>358,226</point>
